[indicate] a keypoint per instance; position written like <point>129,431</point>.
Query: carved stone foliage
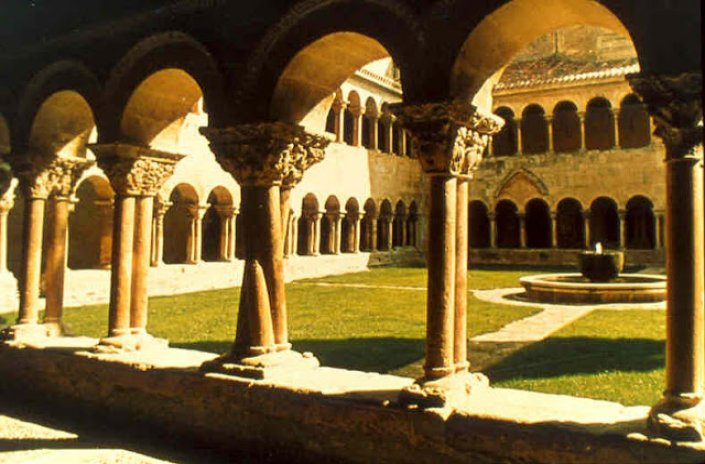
<point>135,170</point>
<point>675,102</point>
<point>42,177</point>
<point>266,154</point>
<point>450,137</point>
<point>7,199</point>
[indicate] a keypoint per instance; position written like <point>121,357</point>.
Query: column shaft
<point>440,310</point>
<point>56,260</point>
<point>520,142</point>
<point>317,233</point>
<point>31,270</point>
<point>554,231</point>
<point>522,231</point>
<point>373,234</point>
<point>338,237</point>
<point>232,237</point>
<point>121,266</point>
<point>140,264</point>
<point>461,275</point>
<point>356,235</point>
<point>622,229</point>
<point>3,241</point>
<point>549,128</point>
<point>493,231</point>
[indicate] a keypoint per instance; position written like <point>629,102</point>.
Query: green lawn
<point>612,355</point>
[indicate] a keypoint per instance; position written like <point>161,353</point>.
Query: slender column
<point>615,117</point>
<point>390,233</point>
<point>373,234</point>
<point>493,229</point>
<point>522,230</point>
<point>356,233</point>
<point>316,233</point>
<point>31,268</point>
<point>6,204</point>
<point>357,128</point>
<point>374,145</point>
<point>144,207</point>
<point>461,275</point>
<point>676,103</point>
<point>338,237</point>
<point>581,116</point>
<point>554,231</point>
<point>403,232</point>
<point>285,199</point>
<point>658,227</point>
<point>157,253</point>
<point>387,127</point>
<point>232,235</point>
<point>121,267</point>
<point>586,236</point>
<point>56,263</point>
<point>549,127</point>
<point>294,235</point>
<point>339,122</point>
<point>520,138</point>
<point>622,229</point>
<point>198,234</point>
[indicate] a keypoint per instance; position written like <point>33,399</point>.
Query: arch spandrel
<point>520,186</point>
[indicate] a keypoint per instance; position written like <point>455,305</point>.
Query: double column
<point>44,179</point>
<point>675,102</point>
<point>263,158</point>
<point>136,174</point>
<point>6,203</point>
<point>450,138</point>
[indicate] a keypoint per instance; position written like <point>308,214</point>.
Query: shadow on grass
<point>557,357</point>
<point>377,354</point>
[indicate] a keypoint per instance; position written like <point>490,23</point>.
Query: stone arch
<point>401,215</point>
<point>478,225</point>
<point>521,184</point>
<point>214,244</point>
<point>170,50</point>
<point>91,225</point>
<point>275,63</point>
<point>566,127</point>
<point>534,130</point>
<point>505,142</point>
<point>352,112</point>
<point>368,234</point>
<point>329,226</point>
<point>504,30</point>
<point>384,226</point>
<point>350,223</point>
<point>179,233</point>
<point>604,222</point>
<point>640,223</point>
<point>599,125</point>
<point>68,94</point>
<point>507,225</point>
<point>538,224</point>
<point>634,123</point>
<point>570,224</point>
<point>310,216</point>
<point>384,144</point>
<point>369,121</point>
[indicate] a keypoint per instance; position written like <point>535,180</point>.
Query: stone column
<point>294,242</point>
<point>390,232</point>
<point>586,237</point>
<point>160,209</point>
<point>450,139</point>
<point>357,128</point>
<point>676,104</point>
<point>339,108</point>
<point>520,142</point>
<point>460,357</point>
<point>581,116</point>
<point>522,230</point>
<point>232,234</point>
<point>197,213</point>
<point>356,220</point>
<point>493,229</point>
<point>622,228</point>
<point>225,214</point>
<point>549,128</point>
<point>615,118</point>
<point>136,174</point>
<point>374,145</point>
<point>373,234</point>
<point>105,224</point>
<point>42,177</point>
<point>338,235</point>
<point>658,221</point>
<point>6,203</point>
<point>262,158</point>
<point>554,230</point>
<point>316,233</point>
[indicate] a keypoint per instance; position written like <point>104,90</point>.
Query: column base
<point>678,418</point>
<point>55,329</point>
<point>264,366</point>
<point>446,391</point>
<point>24,333</point>
<point>128,343</point>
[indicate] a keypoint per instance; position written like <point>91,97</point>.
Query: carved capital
<point>41,176</point>
<point>6,177</point>
<point>135,170</point>
<point>7,199</point>
<point>675,103</point>
<point>266,154</point>
<point>450,137</point>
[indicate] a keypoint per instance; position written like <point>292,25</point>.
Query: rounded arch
<point>478,225</point>
<point>566,127</point>
<point>91,225</point>
<point>349,225</point>
<point>604,222</point>
<point>599,125</point>
<point>368,237</point>
<point>505,142</point>
<point>570,224</point>
<point>534,130</point>
<point>215,223</point>
<point>167,50</point>
<point>641,224</point>
<point>505,31</point>
<point>179,239</point>
<point>538,224</point>
<point>634,123</point>
<point>307,225</point>
<point>507,224</point>
<point>412,225</point>
<point>59,77</point>
<point>384,226</point>
<point>399,224</point>
<point>396,29</point>
<point>368,123</point>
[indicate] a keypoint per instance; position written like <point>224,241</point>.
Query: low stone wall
<point>329,415</point>
<point>551,257</point>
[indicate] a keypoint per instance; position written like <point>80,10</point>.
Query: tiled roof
<point>557,69</point>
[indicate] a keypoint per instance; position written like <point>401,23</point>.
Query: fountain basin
<point>576,289</point>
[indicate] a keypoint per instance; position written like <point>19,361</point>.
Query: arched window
<point>604,223</point>
<point>507,223</point>
<point>330,121</point>
<point>566,127</point>
<point>307,225</point>
<point>504,143</point>
<point>348,126</point>
<point>478,225</point>
<point>179,241</point>
<point>369,121</point>
<point>352,213</point>
<point>641,224</point>
<point>599,125</point>
<point>634,127</point>
<point>329,225</point>
<point>534,130</point>
<point>367,236</point>
<point>215,225</point>
<point>570,224</point>
<point>538,224</point>
<point>90,225</point>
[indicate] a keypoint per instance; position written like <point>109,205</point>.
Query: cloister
<point>255,87</point>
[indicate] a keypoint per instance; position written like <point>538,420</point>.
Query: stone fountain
<point>600,281</point>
